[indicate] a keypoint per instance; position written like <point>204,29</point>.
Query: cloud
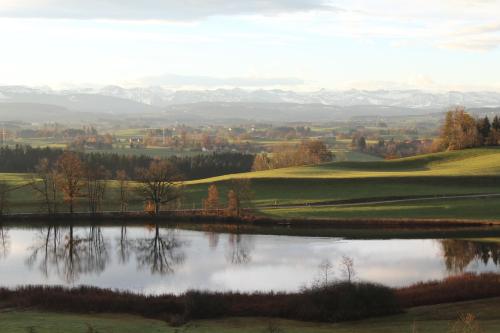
<point>472,44</point>
<point>211,82</point>
<point>174,10</point>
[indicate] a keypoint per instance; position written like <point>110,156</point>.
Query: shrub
<point>453,289</point>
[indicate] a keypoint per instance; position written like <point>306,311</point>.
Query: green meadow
<point>466,172</point>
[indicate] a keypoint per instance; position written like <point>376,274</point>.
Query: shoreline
<point>259,221</point>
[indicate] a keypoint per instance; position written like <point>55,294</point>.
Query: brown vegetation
<point>453,289</point>
<point>70,178</point>
<point>332,302</point>
<point>283,156</point>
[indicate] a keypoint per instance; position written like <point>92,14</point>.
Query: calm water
<point>159,260</point>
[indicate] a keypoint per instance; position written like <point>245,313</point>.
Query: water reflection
<point>161,253</point>
<point>124,246</point>
<point>44,250</point>
<point>158,259</point>
<point>68,254</point>
<point>96,251</point>
<point>4,242</point>
<point>459,254</point>
<point>239,248</point>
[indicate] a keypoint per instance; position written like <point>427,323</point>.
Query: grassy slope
<point>473,162</point>
<point>472,171</point>
<point>430,319</point>
<point>463,172</point>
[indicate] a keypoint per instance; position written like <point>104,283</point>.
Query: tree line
<point>460,130</point>
<point>74,181</point>
<point>23,159</point>
<point>283,156</point>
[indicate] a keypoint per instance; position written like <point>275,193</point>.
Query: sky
<point>285,44</point>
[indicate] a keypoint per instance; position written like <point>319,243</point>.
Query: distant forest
<point>23,159</point>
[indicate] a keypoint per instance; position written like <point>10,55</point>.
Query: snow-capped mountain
<point>157,96</point>
<point>160,97</point>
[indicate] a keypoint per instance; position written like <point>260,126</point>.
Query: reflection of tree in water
<point>96,254</point>
<point>68,254</point>
<point>239,248</point>
<point>213,239</point>
<point>4,242</point>
<point>124,246</point>
<point>458,254</point>
<point>45,249</point>
<point>160,253</point>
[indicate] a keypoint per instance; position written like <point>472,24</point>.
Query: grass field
<point>429,319</point>
<point>474,171</point>
<point>481,208</point>
<point>472,162</point>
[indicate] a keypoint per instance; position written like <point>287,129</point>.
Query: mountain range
<point>45,103</point>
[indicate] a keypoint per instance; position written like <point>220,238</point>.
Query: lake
<point>157,259</point>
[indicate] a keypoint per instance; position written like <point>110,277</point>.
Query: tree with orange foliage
<point>70,178</point>
<point>211,203</point>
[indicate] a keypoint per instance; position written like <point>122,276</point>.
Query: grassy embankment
<point>474,171</point>
<point>428,319</point>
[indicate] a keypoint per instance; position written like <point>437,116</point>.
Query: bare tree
<point>347,268</point>
<point>123,188</point>
<point>159,184</point>
<point>70,176</point>
<point>45,185</point>
<point>325,272</point>
<point>95,181</point>
<point>5,189</point>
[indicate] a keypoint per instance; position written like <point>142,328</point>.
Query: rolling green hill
<point>474,171</point>
<point>472,162</point>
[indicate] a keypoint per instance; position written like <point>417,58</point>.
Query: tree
<point>359,142</point>
<point>459,130</point>
<point>95,181</point>
<point>496,123</point>
<point>211,203</point>
<point>46,185</point>
<point>123,188</point>
<point>159,184</point>
<point>5,189</point>
<point>325,272</point>
<point>261,162</point>
<point>70,176</point>
<point>484,130</point>
<point>315,152</point>
<point>233,204</point>
<point>347,268</point>
<point>239,196</point>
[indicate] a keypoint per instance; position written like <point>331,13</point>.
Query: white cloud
<point>153,9</point>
